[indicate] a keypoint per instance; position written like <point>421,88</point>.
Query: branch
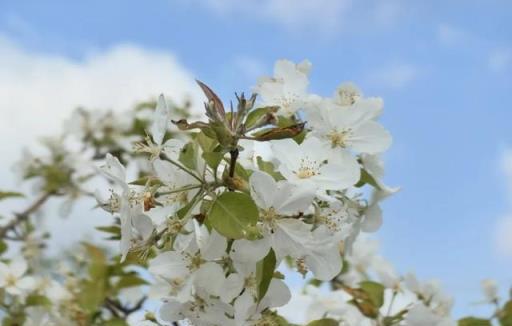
<point>23,216</point>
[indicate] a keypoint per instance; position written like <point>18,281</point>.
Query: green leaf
<point>207,142</point>
<point>112,229</point>
<point>256,115</point>
<point>264,273</point>
<point>269,168</point>
<point>394,319</point>
<point>92,294</point>
<point>213,159</point>
<point>37,300</point>
<point>98,265</point>
<point>472,321</point>
<point>233,214</point>
<point>3,247</point>
<point>315,282</point>
<point>367,178</point>
<point>375,292</point>
<point>115,322</point>
<point>505,315</point>
<point>188,156</point>
<point>128,281</point>
<point>10,194</point>
<point>241,172</point>
<point>56,177</point>
<point>146,181</point>
<point>323,322</point>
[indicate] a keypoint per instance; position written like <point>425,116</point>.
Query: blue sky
<point>443,68</point>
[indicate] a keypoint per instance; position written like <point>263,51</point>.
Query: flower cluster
<point>369,291</point>
<point>214,213</point>
<point>281,177</point>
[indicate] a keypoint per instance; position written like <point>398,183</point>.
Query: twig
<point>23,216</point>
<point>116,307</point>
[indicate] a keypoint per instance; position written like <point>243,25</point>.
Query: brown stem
<point>23,216</point>
<point>232,164</point>
<point>117,308</point>
<point>112,308</point>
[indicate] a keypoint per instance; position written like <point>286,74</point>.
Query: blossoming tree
<point>221,208</point>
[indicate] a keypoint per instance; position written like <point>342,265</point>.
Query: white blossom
<point>288,236</point>
<point>287,89</point>
<point>195,267</point>
<point>313,166</point>
<point>14,280</point>
<point>134,223</point>
<point>490,290</point>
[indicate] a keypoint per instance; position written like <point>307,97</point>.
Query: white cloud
<point>394,76</point>
<point>39,91</point>
<point>500,59</point>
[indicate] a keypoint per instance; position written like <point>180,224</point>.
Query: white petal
<point>169,264</point>
<point>171,311</point>
<point>126,228</point>
<point>245,307</point>
<point>304,66</point>
<point>371,138</point>
<point>386,272</point>
<point>160,117</point>
<point>165,171</point>
<point>201,233</point>
<point>215,246</point>
<point>340,173</point>
<point>143,224</point>
<point>324,263</point>
<point>26,283</point>
<point>232,287</point>
<point>263,189</point>
<point>323,256</point>
<point>371,106</point>
<point>182,241</point>
<point>293,76</point>
<point>18,267</point>
<point>14,291</point>
<point>291,199</point>
<point>172,148</point>
<point>313,147</point>
<point>4,270</point>
<point>372,218</point>
<point>277,295</point>
<point>113,169</point>
<point>210,278</point>
<point>289,238</point>
<point>288,152</point>
<point>249,251</point>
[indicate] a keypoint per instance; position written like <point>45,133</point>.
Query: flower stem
<point>178,190</point>
<point>173,162</point>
